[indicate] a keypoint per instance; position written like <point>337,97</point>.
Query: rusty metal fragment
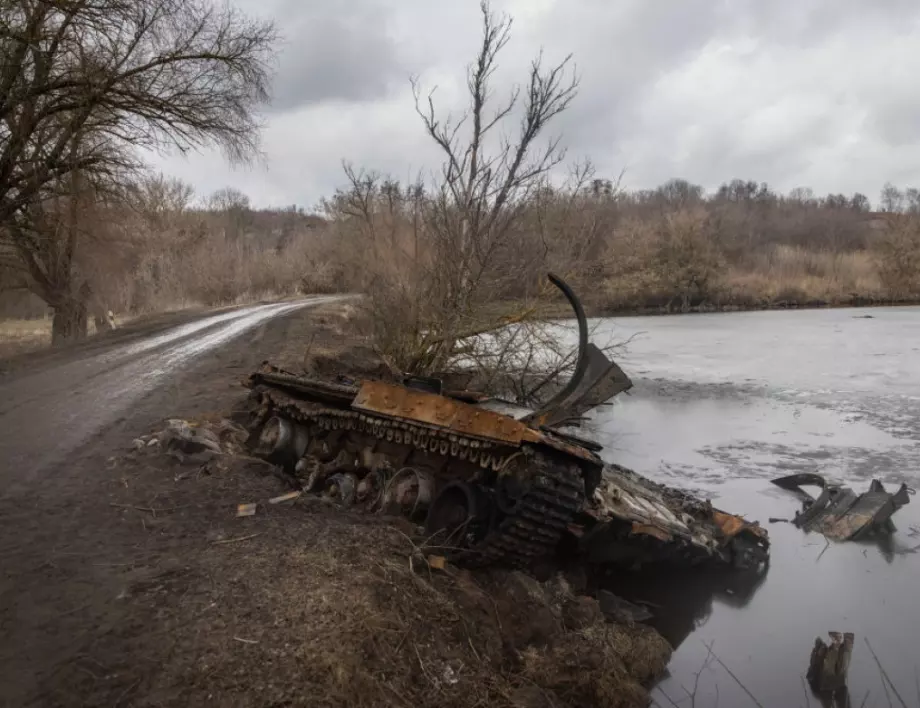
<point>246,509</point>
<point>396,401</point>
<point>841,514</point>
<point>596,379</point>
<point>290,496</point>
<point>634,521</point>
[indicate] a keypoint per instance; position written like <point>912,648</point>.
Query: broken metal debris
<point>633,521</point>
<point>436,562</point>
<point>246,509</point>
<point>841,514</point>
<point>188,438</point>
<point>494,488</point>
<point>195,443</point>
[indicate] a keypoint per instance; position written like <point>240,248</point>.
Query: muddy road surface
<point>46,414</point>
<point>62,417</point>
<point>724,403</point>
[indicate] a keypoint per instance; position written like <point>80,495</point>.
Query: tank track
<point>534,527</point>
<point>530,530</point>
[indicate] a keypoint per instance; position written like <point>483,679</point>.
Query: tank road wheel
<point>459,518</point>
<point>282,442</point>
<point>371,489</point>
<point>408,493</point>
<point>341,488</point>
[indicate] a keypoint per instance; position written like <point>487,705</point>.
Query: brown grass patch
<point>22,336</point>
<point>318,606</point>
<point>28,335</point>
<point>794,273</point>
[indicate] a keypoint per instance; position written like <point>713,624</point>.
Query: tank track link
<point>530,530</point>
<point>484,453</point>
<point>535,525</point>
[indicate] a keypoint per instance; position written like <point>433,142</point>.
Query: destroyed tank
<point>493,483</point>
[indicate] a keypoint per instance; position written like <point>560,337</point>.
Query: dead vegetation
<point>447,261</point>
<point>305,604</point>
<point>84,85</point>
<point>440,259</point>
<point>156,249</point>
<point>459,255</point>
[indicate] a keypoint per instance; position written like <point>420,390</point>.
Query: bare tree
<point>233,207</point>
<point>156,197</point>
<point>466,236</point>
<point>892,199</point>
<point>85,83</point>
<point>228,199</point>
<point>898,253</point>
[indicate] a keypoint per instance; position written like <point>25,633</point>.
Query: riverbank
<point>24,339</point>
<point>600,310</point>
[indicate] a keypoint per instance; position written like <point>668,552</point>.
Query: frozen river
<point>722,404</point>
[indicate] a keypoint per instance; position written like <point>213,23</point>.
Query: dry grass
<point>385,631</point>
<point>21,336</point>
<point>219,270</point>
<point>313,605</point>
<point>794,273</point>
<point>678,261</point>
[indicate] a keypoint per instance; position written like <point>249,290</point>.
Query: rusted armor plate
<point>731,525</point>
<point>399,402</point>
<point>562,445</point>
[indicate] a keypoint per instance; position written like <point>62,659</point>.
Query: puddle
<point>727,403</point>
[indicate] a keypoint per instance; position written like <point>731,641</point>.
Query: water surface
<point>722,403</point>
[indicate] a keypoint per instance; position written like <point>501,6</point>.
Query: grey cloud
<point>789,92</point>
<point>332,53</point>
<point>629,47</point>
<point>897,121</point>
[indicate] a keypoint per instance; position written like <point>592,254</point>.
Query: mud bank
<point>304,604</point>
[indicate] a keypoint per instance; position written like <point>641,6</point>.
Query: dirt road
<point>62,549</point>
<point>49,413</point>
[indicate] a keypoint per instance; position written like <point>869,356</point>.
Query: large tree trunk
<point>69,322</point>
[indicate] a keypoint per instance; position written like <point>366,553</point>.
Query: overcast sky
<point>819,93</point>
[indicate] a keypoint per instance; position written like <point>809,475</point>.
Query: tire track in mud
<point>46,415</point>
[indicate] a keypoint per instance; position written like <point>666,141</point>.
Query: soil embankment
<point>129,580</point>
